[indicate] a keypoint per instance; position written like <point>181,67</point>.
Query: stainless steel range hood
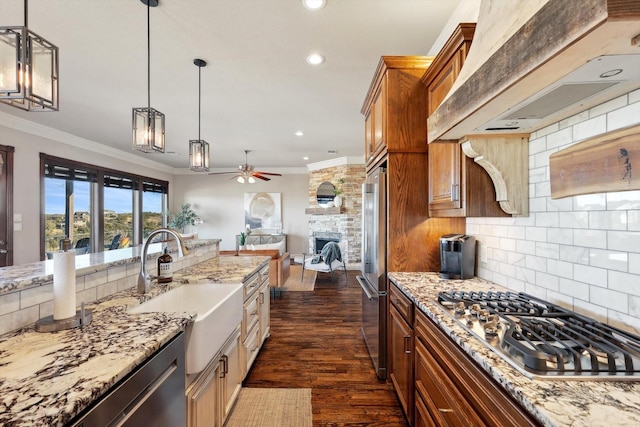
<point>546,69</point>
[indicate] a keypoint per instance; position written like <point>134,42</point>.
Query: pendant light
<point>28,69</point>
<point>199,149</point>
<point>148,123</point>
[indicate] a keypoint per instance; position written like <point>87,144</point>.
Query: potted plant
<point>243,240</point>
<point>183,218</point>
<point>337,200</point>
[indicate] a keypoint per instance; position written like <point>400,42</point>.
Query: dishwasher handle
<point>365,287</point>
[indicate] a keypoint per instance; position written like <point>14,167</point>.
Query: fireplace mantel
<point>324,211</point>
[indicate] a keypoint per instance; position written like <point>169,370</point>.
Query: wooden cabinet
<point>395,111</point>
<point>458,187</point>
<point>212,394</point>
<point>451,390</point>
<point>400,367</point>
<point>256,317</point>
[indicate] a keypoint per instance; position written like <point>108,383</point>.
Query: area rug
<point>295,284</point>
<point>272,407</point>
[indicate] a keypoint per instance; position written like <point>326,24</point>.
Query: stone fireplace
<point>344,223</point>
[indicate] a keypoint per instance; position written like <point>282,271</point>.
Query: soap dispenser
<point>165,267</point>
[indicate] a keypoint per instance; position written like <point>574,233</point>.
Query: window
<point>96,208</point>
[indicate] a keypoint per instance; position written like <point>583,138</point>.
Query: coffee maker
<point>457,256</point>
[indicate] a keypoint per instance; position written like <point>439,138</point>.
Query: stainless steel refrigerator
<point>374,269</point>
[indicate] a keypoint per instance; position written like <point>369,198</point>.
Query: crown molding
<point>27,126</point>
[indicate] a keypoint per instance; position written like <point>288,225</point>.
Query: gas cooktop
<point>543,340</point>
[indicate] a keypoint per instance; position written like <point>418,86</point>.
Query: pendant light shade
<point>148,123</point>
<point>199,149</point>
<point>28,69</point>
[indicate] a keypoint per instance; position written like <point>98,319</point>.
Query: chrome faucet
<point>144,279</point>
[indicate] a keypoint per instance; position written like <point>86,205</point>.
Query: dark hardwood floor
<point>316,343</point>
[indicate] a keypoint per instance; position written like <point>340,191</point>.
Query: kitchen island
<point>552,402</point>
<point>46,379</point>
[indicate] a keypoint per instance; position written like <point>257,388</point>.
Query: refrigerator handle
<point>365,287</point>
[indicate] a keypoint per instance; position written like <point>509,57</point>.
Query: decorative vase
<point>242,247</point>
<point>337,201</point>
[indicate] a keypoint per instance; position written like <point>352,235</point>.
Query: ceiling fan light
<point>240,179</point>
<point>199,155</point>
<point>251,180</point>
<point>28,69</point>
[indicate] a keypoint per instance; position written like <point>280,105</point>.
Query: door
<point>6,205</point>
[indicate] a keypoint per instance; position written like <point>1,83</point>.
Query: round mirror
<point>324,194</point>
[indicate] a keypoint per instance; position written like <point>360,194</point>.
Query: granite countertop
<point>48,378</point>
<point>36,273</point>
<point>552,402</point>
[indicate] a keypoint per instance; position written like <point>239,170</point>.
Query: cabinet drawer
<point>252,346</point>
<point>402,303</point>
<point>264,274</point>
<point>251,285</point>
<point>251,315</point>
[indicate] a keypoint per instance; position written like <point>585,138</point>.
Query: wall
<point>581,252</point>
<point>348,223</point>
<point>28,146</point>
<point>219,201</point>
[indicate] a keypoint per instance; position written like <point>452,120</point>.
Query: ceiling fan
<point>245,173</point>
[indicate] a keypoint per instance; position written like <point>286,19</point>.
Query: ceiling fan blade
<point>264,178</point>
<point>268,173</point>
<point>221,173</point>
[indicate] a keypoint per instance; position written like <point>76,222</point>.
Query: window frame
<point>97,200</point>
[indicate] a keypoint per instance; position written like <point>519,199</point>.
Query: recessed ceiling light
<point>314,4</point>
<point>315,59</point>
<point>305,158</point>
<point>299,133</point>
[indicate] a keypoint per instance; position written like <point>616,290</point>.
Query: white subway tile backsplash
<point>525,275</point>
<point>574,254</point>
<point>589,128</point>
<point>608,298</point>
<point>590,202</point>
<point>35,296</point>
<point>94,279</point>
<point>563,236</point>
<point>116,273</point>
<point>560,205</point>
<point>623,117</point>
<point>17,319</point>
<point>545,131</point>
<point>507,244</point>
<point>612,260</point>
<point>624,241</point>
<point>547,281</point>
<point>548,250</point>
<point>537,145</point>
<point>537,204</point>
<point>574,288</point>
<point>634,264</point>
<point>633,220</point>
<point>573,120</point>
<point>536,263</point>
<point>560,139</point>
<point>623,200</point>
<point>609,106</point>
<point>571,220</point>
<point>590,238</point>
<point>526,247</point>
<point>536,234</point>
<point>539,160</point>
<point>587,308</point>
<point>630,322</point>
<point>547,219</point>
<point>608,220</point>
<point>591,275</point>
<point>9,303</point>
<point>624,282</point>
<point>560,268</point>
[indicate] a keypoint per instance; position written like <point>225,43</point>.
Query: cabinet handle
<point>225,363</point>
<point>445,410</point>
<point>407,342</point>
<point>254,313</point>
<point>262,298</point>
<point>455,192</point>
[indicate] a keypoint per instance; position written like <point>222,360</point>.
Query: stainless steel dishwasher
<point>153,395</point>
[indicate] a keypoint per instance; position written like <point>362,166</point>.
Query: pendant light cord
<point>199,98</point>
<point>148,55</point>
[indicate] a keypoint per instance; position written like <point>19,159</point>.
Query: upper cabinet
<point>458,187</point>
<point>393,107</point>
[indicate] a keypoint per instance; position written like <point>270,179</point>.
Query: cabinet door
<point>444,176</point>
<point>422,417</point>
<point>401,363</point>
<point>264,307</point>
<point>203,399</point>
<point>443,82</point>
<point>230,375</point>
<point>379,117</point>
<point>368,135</point>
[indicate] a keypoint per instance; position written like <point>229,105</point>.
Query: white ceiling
<point>257,89</point>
